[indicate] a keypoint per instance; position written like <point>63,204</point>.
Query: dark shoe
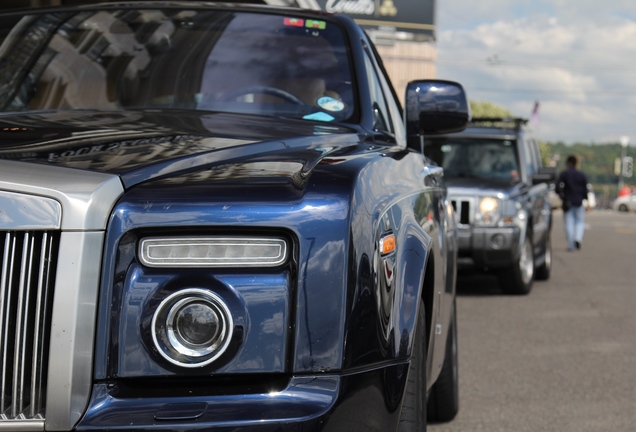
<point>577,244</point>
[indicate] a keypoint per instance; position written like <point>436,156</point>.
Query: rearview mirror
<point>434,107</point>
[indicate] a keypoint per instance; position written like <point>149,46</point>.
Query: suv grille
<point>28,260</point>
<point>462,208</point>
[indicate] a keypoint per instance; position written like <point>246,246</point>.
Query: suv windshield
<point>475,158</point>
<point>242,62</point>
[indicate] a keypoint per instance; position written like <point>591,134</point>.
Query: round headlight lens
<point>192,327</point>
<point>197,324</point>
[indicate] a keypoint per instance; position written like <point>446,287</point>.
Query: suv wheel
<point>543,271</point>
<point>518,279</point>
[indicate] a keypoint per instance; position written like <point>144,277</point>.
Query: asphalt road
<point>562,358</point>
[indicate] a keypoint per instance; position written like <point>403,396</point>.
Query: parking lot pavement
<point>561,358</point>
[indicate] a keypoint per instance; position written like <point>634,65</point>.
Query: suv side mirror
<point>545,175</point>
<point>434,107</point>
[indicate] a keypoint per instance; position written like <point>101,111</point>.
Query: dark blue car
<point>219,218</point>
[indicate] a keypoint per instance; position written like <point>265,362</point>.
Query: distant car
<point>625,203</point>
<point>500,190</point>
<point>216,218</point>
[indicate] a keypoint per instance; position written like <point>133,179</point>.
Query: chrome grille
<point>26,291</point>
<point>462,209</point>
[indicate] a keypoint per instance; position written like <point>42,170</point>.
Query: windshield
<point>475,158</point>
<point>218,60</point>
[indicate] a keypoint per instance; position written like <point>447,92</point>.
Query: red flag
<point>534,117</point>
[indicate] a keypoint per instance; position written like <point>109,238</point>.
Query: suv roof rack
<point>499,122</point>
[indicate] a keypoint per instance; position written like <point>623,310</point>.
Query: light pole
<point>624,144</point>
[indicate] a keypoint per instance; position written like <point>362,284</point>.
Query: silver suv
<point>500,191</point>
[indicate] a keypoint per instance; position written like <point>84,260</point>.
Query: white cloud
<point>577,58</point>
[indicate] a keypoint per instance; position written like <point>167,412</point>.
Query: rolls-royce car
<point>219,218</point>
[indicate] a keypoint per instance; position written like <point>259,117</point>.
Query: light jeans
<point>574,225</point>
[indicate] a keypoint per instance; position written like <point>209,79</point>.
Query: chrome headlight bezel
<point>172,342</point>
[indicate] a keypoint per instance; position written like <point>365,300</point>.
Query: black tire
<point>623,208</point>
<point>413,412</point>
<point>518,279</point>
<point>543,271</point>
<point>443,399</point>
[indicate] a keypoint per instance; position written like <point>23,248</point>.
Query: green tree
<point>488,109</point>
<point>546,155</point>
<point>597,160</point>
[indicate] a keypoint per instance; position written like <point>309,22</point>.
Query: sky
<point>577,58</point>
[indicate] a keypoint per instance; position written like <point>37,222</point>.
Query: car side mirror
<point>545,175</point>
<point>434,107</point>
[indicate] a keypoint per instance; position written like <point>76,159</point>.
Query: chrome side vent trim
<point>26,291</point>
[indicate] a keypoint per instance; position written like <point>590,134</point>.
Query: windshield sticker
<point>294,22</point>
<point>315,24</point>
<point>330,104</point>
<point>319,116</point>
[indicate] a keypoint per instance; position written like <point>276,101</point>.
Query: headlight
<point>192,327</point>
<point>488,211</point>
<point>212,252</point>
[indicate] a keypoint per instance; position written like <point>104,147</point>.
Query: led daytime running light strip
<point>212,252</point>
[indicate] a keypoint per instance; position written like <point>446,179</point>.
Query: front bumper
<point>367,400</point>
<point>488,247</point>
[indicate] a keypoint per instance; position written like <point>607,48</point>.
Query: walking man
<point>572,188</point>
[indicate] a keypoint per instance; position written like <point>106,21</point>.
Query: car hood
<point>481,187</point>
<point>142,145</point>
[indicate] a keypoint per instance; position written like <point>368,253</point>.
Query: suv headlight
<point>488,211</point>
